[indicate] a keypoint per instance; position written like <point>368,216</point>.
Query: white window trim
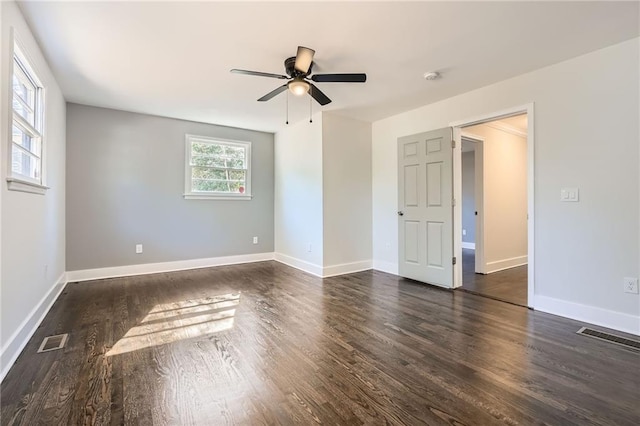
<point>14,184</point>
<point>19,182</point>
<point>190,195</point>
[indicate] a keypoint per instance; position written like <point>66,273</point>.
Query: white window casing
<point>217,169</point>
<point>26,162</point>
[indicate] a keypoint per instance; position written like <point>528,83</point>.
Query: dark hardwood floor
<point>509,285</point>
<point>263,343</point>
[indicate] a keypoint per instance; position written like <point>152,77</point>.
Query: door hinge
<point>454,260</point>
<point>453,202</point>
<point>453,143</point>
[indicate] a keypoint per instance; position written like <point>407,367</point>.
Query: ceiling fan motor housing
<point>289,66</point>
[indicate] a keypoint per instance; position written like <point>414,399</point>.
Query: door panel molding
<point>425,211</point>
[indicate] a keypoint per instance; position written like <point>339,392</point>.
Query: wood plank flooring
<point>509,285</point>
<point>263,343</point>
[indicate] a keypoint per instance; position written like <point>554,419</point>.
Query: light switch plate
<point>570,195</point>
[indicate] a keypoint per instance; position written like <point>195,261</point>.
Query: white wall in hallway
<point>505,197</point>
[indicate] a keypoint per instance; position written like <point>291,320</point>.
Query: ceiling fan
<point>298,70</point>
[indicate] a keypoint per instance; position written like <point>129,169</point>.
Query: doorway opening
<point>493,222</point>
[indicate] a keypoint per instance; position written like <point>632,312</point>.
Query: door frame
<point>478,190</point>
<point>457,190</point>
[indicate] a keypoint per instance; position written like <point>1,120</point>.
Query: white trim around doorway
<point>457,190</point>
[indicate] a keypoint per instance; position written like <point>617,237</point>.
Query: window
<point>27,124</point>
<point>217,169</point>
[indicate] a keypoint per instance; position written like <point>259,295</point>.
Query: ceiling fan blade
<point>317,94</point>
<point>304,57</point>
<point>339,78</point>
<point>273,93</point>
<point>259,74</point>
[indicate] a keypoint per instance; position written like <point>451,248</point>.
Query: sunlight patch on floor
<point>187,307</point>
<point>171,322</point>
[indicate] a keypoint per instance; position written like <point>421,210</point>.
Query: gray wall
<point>468,196</point>
<point>125,180</point>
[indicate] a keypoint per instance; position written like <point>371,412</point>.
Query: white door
<point>425,207</point>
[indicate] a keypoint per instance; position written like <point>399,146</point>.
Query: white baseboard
<point>589,314</point>
<point>25,331</point>
<point>326,271</point>
<point>501,265</point>
<point>346,268</point>
<point>384,266</point>
<point>467,245</point>
<point>153,268</point>
<point>303,265</point>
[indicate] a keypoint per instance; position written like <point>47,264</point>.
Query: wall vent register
<point>611,338</point>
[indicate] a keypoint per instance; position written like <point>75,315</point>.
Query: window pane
<point>234,164</point>
<point>207,173</point>
<point>234,152</point>
<point>206,185</point>
<point>200,185</point>
<point>24,112</point>
<point>23,88</point>
<point>235,187</point>
<point>208,161</point>
<point>198,148</point>
<point>24,164</point>
<point>26,141</point>
<point>238,175</point>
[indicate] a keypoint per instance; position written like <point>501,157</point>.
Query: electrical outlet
<point>138,248</point>
<point>309,248</point>
<point>464,232</point>
<point>255,240</point>
<point>630,285</point>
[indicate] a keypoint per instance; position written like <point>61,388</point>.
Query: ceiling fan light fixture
<point>298,87</point>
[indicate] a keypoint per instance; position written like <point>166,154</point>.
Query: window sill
<point>217,197</point>
<point>14,184</point>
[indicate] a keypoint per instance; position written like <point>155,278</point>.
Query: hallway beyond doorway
<point>508,286</point>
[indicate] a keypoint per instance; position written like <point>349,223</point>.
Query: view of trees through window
<point>218,167</point>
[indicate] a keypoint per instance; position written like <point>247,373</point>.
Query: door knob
<point>400,213</point>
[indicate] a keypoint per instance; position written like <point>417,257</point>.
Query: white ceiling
<point>173,58</point>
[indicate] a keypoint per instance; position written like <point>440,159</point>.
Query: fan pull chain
<point>287,122</point>
<point>310,114</point>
